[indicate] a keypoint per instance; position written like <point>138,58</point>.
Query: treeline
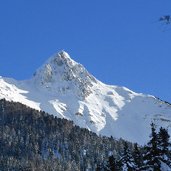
<point>36,141</point>
<point>32,140</point>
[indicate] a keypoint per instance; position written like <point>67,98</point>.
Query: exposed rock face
<point>71,75</point>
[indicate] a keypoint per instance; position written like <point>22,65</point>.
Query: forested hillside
<point>33,140</point>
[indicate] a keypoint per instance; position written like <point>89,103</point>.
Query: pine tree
<point>127,159</point>
<point>164,145</point>
<point>137,156</point>
<point>112,163</point>
<point>152,155</point>
<point>98,168</point>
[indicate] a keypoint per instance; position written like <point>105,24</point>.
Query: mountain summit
<point>64,88</point>
<point>60,73</point>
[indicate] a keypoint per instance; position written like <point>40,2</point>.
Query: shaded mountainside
<point>64,88</point>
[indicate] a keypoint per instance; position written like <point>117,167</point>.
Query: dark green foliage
<point>157,151</point>
<point>127,159</point>
<point>137,157</point>
<point>113,164</point>
<point>164,146</point>
<point>30,140</point>
<point>152,155</point>
<point>155,156</point>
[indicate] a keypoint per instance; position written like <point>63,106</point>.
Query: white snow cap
<point>60,72</point>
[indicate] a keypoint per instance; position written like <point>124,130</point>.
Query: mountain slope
<point>65,89</point>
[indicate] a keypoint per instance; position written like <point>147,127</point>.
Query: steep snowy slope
<point>65,89</point>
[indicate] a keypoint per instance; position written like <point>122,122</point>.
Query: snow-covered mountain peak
<point>62,74</point>
<point>62,58</point>
<point>64,88</point>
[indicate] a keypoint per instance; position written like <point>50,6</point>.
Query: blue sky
<point>120,42</point>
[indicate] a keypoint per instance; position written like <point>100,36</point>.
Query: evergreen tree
<point>137,157</point>
<point>112,165</point>
<point>164,145</point>
<point>99,167</point>
<point>152,152</point>
<point>127,161</point>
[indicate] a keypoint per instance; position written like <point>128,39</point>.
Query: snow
<point>165,167</point>
<point>64,88</point>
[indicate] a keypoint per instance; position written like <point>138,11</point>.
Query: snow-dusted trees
<point>112,163</point>
<point>33,140</point>
<point>157,151</point>
<point>155,156</point>
<point>164,146</point>
<point>152,158</point>
<point>137,157</point>
<point>127,162</point>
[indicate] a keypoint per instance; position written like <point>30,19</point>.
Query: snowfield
<point>64,88</point>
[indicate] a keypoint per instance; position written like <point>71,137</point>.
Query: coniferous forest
<point>32,140</point>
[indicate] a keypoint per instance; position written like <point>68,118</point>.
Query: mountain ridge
<point>64,88</point>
